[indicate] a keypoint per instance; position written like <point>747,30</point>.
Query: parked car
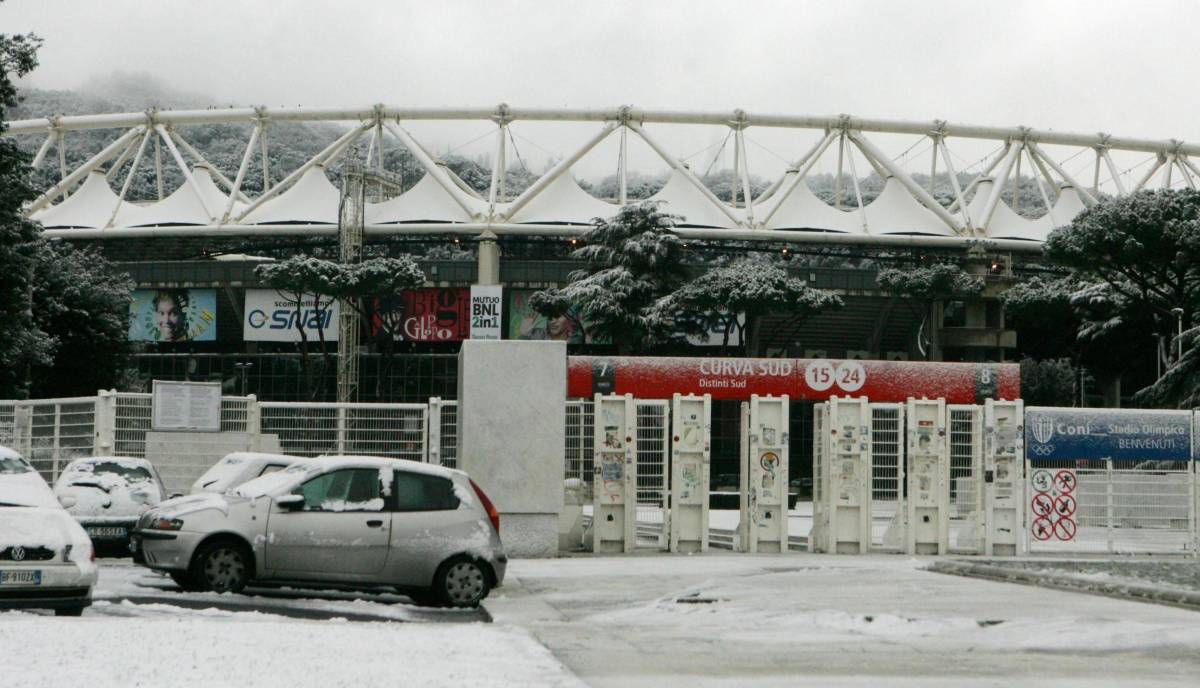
<point>109,494</point>
<point>352,521</point>
<point>46,559</point>
<point>240,467</point>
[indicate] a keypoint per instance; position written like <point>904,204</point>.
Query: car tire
<point>221,566</point>
<point>69,611</point>
<point>184,580</point>
<point>461,582</point>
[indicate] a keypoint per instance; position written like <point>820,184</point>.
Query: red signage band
<point>800,378</point>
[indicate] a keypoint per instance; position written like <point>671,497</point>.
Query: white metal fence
<point>52,432</point>
<point>1126,507</point>
<point>887,476</point>
<point>579,439</point>
<point>653,428</point>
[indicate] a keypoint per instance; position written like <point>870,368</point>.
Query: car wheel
<point>69,611</point>
<point>221,566</point>
<point>461,582</point>
<point>184,580</point>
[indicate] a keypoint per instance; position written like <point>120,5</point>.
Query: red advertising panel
<point>436,315</point>
<point>799,378</point>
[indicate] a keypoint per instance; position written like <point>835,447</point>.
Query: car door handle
<point>374,524</point>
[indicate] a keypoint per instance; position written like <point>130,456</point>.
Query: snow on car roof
<point>381,462</point>
<point>124,461</point>
<point>263,456</point>
<point>7,453</point>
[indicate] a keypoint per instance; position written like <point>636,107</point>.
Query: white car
<point>108,494</point>
<point>240,467</point>
<point>351,521</point>
<point>46,559</point>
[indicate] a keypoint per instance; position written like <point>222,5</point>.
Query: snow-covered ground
<point>164,645</point>
<point>800,619</point>
<point>646,619</point>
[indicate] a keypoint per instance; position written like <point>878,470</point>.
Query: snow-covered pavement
<point>165,645</point>
<point>798,619</point>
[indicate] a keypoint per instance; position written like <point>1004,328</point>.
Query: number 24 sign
<point>849,376</point>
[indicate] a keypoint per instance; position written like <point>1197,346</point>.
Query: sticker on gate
<point>1054,505</point>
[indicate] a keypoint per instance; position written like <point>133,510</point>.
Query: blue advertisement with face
<point>1136,435</point>
<point>173,315</point>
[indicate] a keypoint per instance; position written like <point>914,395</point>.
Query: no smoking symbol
<point>1064,506</point>
<point>1065,481</point>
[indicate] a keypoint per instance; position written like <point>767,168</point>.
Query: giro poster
<point>173,315</point>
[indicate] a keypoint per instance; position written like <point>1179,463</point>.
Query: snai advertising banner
<point>173,315</point>
<point>271,316</point>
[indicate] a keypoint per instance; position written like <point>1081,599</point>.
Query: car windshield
<point>271,482</point>
<point>130,472</point>
<point>11,465</point>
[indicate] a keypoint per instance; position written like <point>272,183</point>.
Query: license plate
<point>30,577</point>
<point>103,532</point>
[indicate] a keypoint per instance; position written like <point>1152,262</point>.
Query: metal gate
<point>653,430</point>
<point>966,489</point>
<point>887,477</point>
<point>580,431</point>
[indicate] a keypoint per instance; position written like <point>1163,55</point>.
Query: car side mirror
<point>291,502</point>
<point>67,501</point>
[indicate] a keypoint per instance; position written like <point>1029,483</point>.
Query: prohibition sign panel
<point>1064,529</point>
<point>1065,481</point>
<point>1043,505</point>
<point>1042,528</point>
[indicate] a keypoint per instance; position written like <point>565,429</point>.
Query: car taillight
<point>490,508</point>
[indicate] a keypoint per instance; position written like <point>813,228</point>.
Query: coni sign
<point>1067,434</point>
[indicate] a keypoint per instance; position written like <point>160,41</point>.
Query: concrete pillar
<point>512,435</point>
<point>488,251</point>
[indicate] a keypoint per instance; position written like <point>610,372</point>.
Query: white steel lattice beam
<point>687,174</point>
<point>868,149</point>
<point>188,177</point>
<point>82,171</point>
<point>1088,198</point>
<point>241,173</point>
<point>436,172</point>
<point>211,167</point>
<point>989,207</point>
<point>315,160</point>
<point>133,168</point>
<point>557,171</point>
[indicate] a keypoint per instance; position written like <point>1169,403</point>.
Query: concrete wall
<point>511,434</point>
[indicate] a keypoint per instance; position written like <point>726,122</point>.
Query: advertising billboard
<point>650,377</point>
<point>486,311</point>
<point>526,323</point>
<point>1053,434</point>
<point>173,315</point>
<point>270,316</point>
<point>435,315</point>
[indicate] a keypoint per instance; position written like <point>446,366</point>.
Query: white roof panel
<point>896,211</point>
<point>680,197</point>
<point>426,201</point>
<point>312,199</point>
<point>90,206</point>
<point>563,200</point>
<point>801,209</point>
<point>182,207</point>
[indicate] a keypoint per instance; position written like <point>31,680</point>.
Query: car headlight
<point>160,523</point>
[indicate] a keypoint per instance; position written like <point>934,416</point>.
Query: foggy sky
<point>1122,67</point>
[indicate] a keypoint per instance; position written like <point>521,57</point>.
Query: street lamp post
<point>1178,313</point>
<point>243,368</point>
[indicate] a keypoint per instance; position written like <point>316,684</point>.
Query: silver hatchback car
<point>350,521</point>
